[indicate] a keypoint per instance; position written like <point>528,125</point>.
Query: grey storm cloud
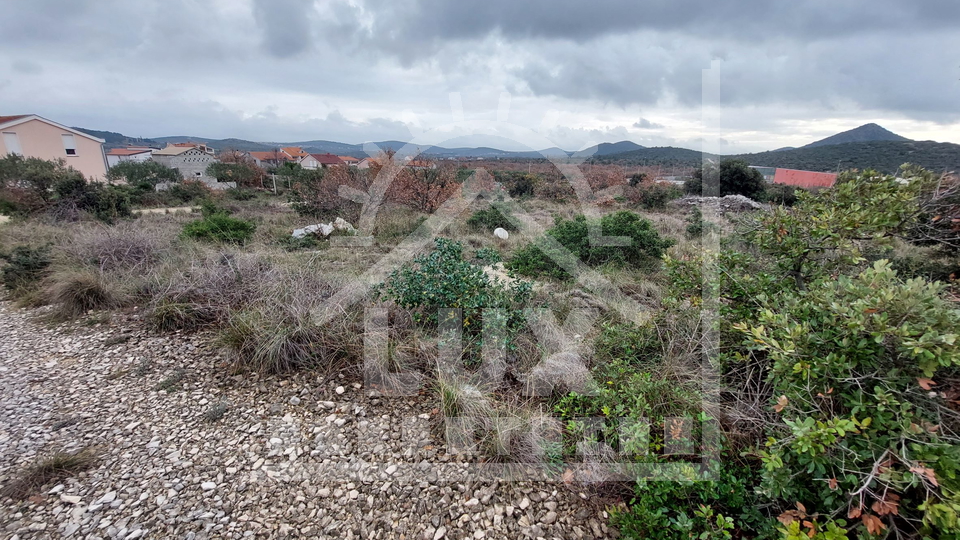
<point>643,123</point>
<point>285,25</point>
<point>374,59</point>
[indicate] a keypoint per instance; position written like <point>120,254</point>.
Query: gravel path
<point>291,457</point>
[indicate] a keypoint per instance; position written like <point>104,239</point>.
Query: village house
<point>349,160</point>
<point>130,153</point>
<point>320,161</point>
<point>192,162</point>
<point>272,158</point>
<point>295,152</point>
<point>30,135</point>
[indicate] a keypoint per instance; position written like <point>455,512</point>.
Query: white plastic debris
<point>501,233</point>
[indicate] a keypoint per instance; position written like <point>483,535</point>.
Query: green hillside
<point>884,156</point>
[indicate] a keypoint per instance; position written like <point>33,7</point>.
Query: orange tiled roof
<point>804,179</point>
<point>270,156</point>
<point>294,151</point>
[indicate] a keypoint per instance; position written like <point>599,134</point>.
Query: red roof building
<point>804,179</point>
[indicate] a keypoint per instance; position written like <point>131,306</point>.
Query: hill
<point>607,149</point>
<point>864,133</point>
<point>117,140</point>
<point>661,155</point>
<point>884,156</point>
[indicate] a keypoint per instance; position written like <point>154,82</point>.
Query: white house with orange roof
<point>130,153</point>
<point>30,135</point>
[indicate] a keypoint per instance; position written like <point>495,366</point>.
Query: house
<point>199,146</point>
<point>192,162</point>
<point>318,161</point>
<point>272,158</point>
<point>30,135</point>
<point>131,153</point>
<point>349,160</point>
<point>365,163</point>
<point>295,152</point>
<point>804,179</point>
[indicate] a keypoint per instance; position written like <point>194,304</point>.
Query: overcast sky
<point>724,76</point>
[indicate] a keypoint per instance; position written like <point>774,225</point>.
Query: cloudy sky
<point>724,76</point>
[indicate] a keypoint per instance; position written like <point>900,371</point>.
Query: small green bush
<point>710,509</point>
<point>644,250</point>
<point>25,267</point>
<point>187,192</point>
<point>696,226</point>
<point>218,226</point>
<point>656,196</point>
<point>443,279</point>
<point>782,194</point>
<point>489,219</point>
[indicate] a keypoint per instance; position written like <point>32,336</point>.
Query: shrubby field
<point>789,372</point>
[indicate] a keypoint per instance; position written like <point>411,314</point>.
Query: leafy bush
<point>696,226</point>
<point>782,194</point>
<point>25,267</point>
<point>711,509</point>
<point>187,192</point>
<point>730,177</point>
<point>858,410</point>
<point>542,258</point>
<point>518,184</point>
<point>443,279</point>
<point>218,226</point>
<point>150,173</point>
<point>656,196</point>
<point>489,219</point>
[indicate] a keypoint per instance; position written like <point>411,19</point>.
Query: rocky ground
<point>298,456</point>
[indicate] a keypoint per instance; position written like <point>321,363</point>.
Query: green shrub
<point>240,194</point>
<point>187,192</point>
<point>713,509</point>
<point>518,184</point>
<point>656,196</point>
<point>644,250</point>
<point>25,267</point>
<point>443,279</point>
<point>729,177</point>
<point>489,219</point>
<point>488,256</point>
<point>782,194</point>
<point>218,226</point>
<point>150,173</point>
<point>696,226</point>
<point>852,361</point>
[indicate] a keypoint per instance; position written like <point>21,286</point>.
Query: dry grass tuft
<point>55,467</point>
<point>76,293</point>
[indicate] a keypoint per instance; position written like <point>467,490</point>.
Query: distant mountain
<point>607,149</point>
<point>785,148</point>
<point>117,140</point>
<point>864,133</point>
<point>662,155</point>
<point>883,156</point>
